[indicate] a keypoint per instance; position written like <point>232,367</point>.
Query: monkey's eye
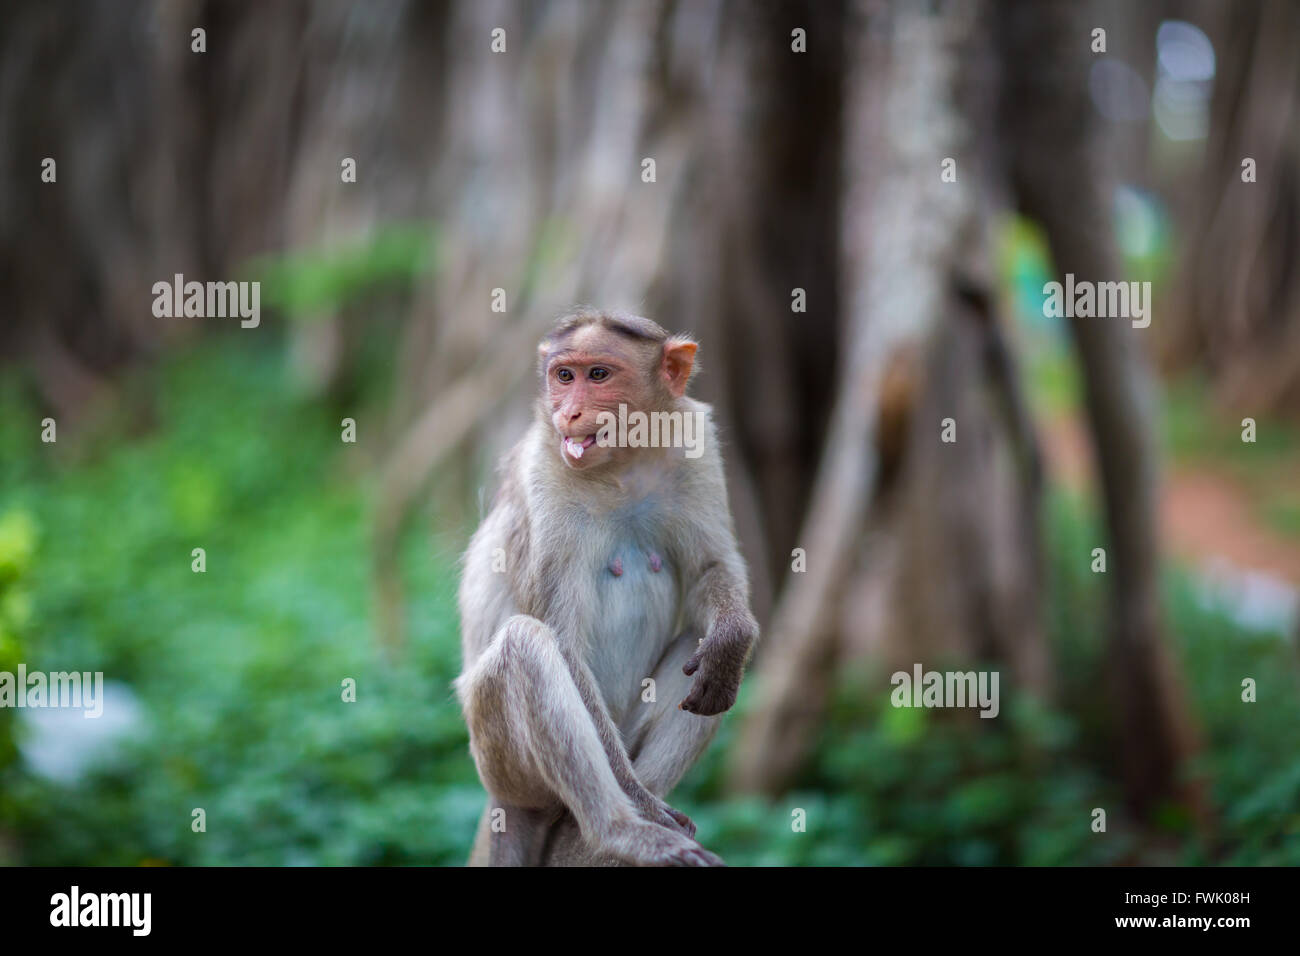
<point>599,374</point>
<point>564,375</point>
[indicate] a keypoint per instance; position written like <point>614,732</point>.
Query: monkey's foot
<point>657,811</point>
<point>649,844</point>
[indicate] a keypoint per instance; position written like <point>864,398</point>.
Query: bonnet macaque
<point>604,604</point>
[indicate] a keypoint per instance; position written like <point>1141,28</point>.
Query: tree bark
<point>1059,179</point>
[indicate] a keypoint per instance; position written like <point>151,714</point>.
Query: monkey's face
<point>588,378</point>
<point>583,386</point>
<point>596,378</point>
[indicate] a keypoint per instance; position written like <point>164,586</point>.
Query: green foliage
<point>1196,432</point>
<point>239,670</point>
<point>17,548</point>
<point>1283,513</point>
<point>1251,752</point>
<point>890,786</point>
<point>304,284</point>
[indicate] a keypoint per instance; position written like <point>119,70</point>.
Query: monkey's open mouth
<point>575,447</point>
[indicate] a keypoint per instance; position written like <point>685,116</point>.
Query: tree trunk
<point>1060,181</point>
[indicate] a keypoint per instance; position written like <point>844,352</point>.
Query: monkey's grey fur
<point>557,646</point>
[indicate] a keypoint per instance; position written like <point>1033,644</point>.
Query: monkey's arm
<point>718,607</point>
<point>670,737</point>
<point>666,740</point>
<point>717,599</point>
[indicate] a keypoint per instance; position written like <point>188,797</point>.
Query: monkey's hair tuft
<point>624,323</point>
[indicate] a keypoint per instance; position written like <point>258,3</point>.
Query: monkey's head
<point>593,363</point>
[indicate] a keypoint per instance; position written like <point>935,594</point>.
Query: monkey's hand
<point>719,663</point>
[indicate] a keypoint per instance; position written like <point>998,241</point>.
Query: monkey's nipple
<point>616,567</point>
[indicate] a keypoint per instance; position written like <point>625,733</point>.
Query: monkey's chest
<point>635,616</point>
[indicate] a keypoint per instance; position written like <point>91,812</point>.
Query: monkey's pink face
<point>580,386</point>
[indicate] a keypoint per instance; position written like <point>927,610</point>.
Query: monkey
<point>600,565</point>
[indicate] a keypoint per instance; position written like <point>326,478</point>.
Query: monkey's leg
<point>524,839</point>
<point>666,741</point>
<point>480,852</point>
<point>536,747</point>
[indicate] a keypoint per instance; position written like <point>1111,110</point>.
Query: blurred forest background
<point>847,300</point>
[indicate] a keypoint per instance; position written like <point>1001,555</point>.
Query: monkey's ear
<point>679,360</point>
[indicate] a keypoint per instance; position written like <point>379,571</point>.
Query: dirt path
<point>1204,512</point>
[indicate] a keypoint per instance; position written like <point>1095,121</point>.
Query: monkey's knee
<point>523,658</point>
<point>523,647</point>
<point>525,641</point>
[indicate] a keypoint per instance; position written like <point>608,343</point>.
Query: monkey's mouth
<point>575,447</point>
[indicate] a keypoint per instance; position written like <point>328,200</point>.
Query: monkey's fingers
<point>670,819</point>
<point>682,820</point>
<point>708,698</point>
<point>701,857</point>
<point>692,665</point>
